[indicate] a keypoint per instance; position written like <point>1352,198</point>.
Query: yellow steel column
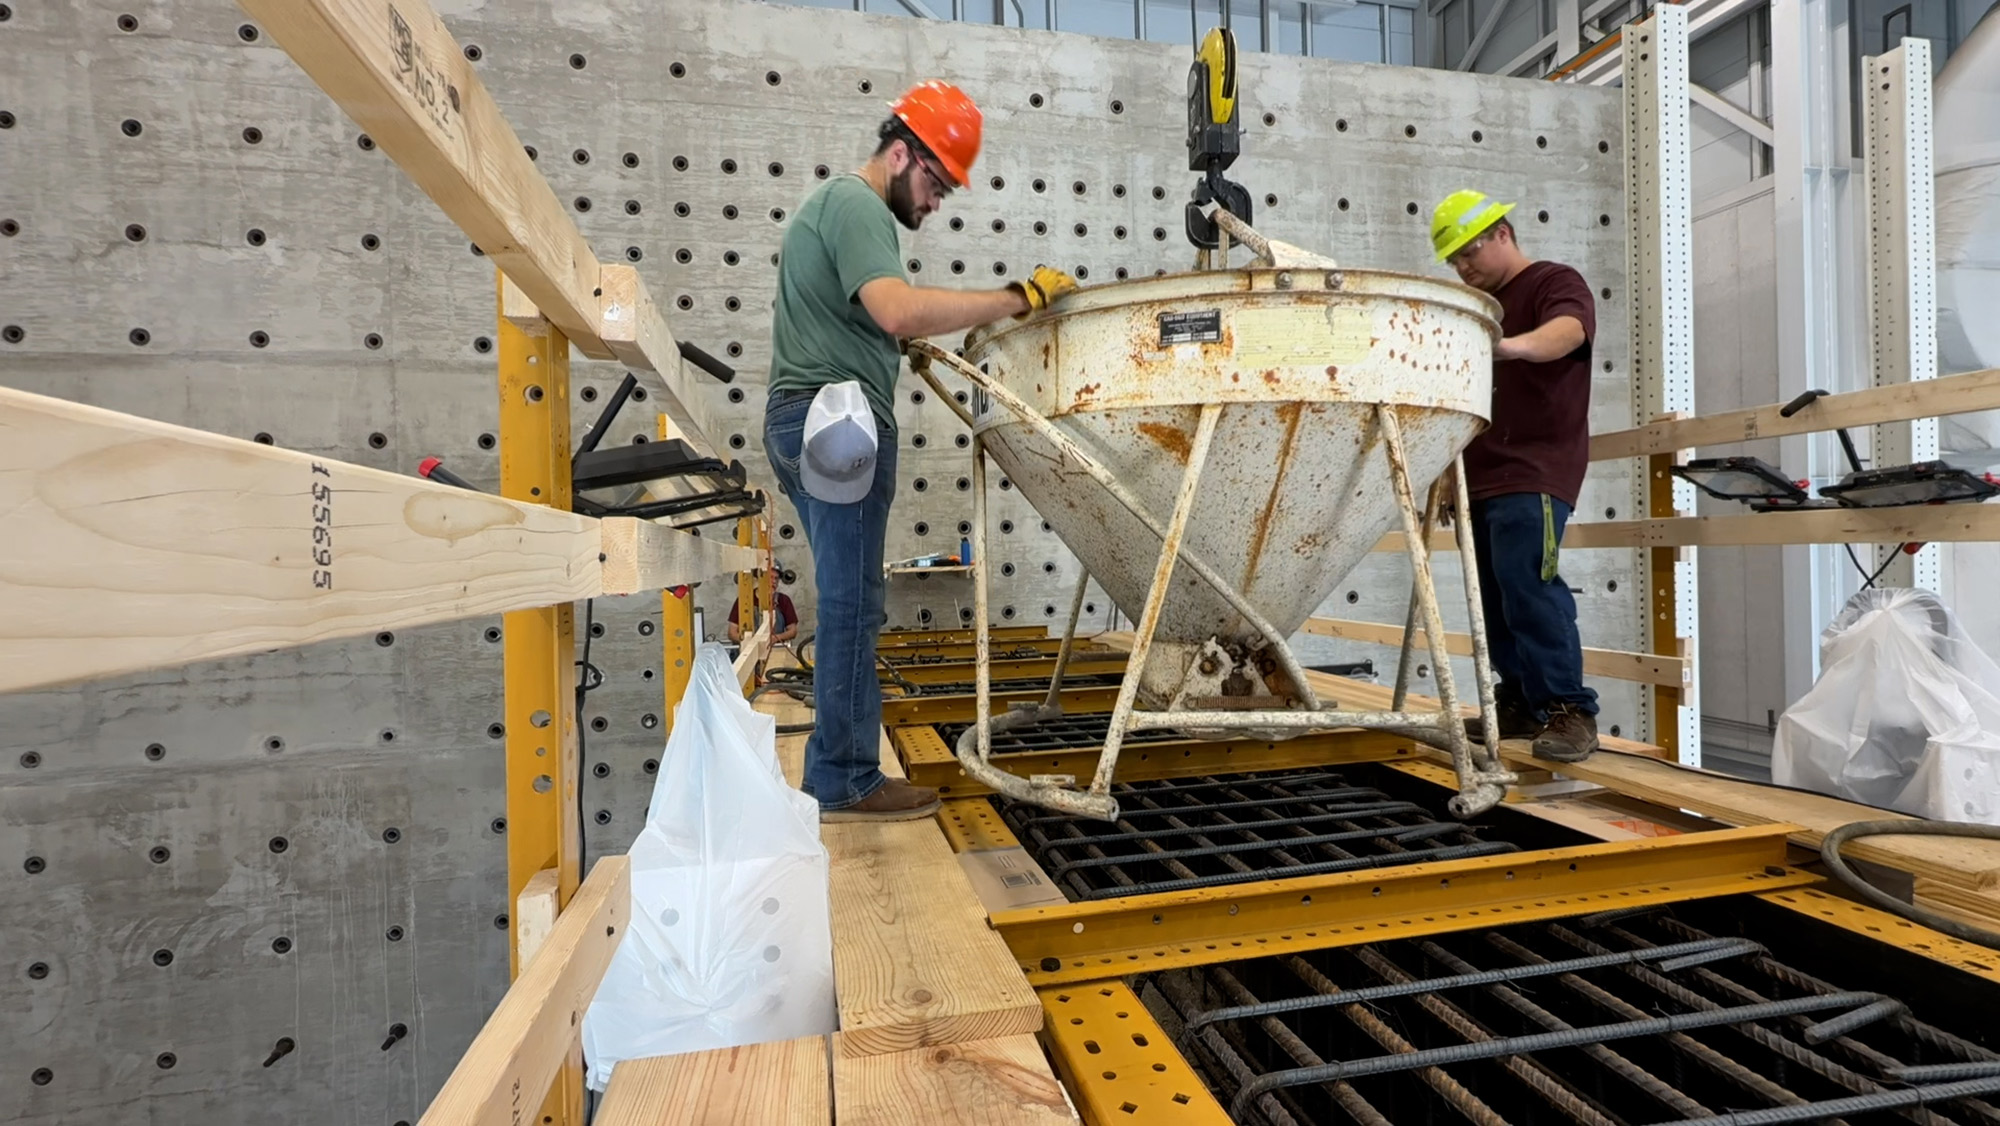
<point>1660,563</point>
<point>677,639</point>
<point>539,650</point>
<point>746,586</point>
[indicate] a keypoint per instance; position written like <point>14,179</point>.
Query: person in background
<point>784,617</point>
<point>1524,472</point>
<point>844,304</point>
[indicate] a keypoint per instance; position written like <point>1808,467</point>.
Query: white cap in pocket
<point>837,462</point>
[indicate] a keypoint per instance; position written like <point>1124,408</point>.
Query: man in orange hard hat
<point>1524,472</point>
<point>830,424</point>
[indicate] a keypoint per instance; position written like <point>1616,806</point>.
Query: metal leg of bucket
<point>1156,599</point>
<point>1053,702</point>
<point>1074,453</point>
<point>1406,659</point>
<point>1478,790</point>
<point>1475,610</point>
<point>975,745</point>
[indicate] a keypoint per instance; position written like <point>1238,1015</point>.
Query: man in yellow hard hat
<point>830,423</point>
<point>1524,472</point>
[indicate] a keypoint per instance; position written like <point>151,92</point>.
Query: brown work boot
<point>895,800</point>
<point>1516,722</point>
<point>1570,735</point>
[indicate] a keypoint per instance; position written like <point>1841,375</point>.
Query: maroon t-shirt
<point>1539,441</point>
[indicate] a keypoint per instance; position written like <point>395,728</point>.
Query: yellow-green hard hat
<point>1463,216</point>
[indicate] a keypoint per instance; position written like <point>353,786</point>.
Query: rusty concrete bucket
<point>1220,448</point>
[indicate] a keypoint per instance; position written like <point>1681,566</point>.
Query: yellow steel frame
<point>1168,930</point>
<point>902,711</point>
<point>1119,1065</point>
<point>972,823</point>
<point>1660,561</point>
<point>539,654</point>
<point>900,655</point>
<point>929,762</point>
<point>677,639</point>
<point>892,639</point>
<point>1037,668</point>
<point>1895,930</point>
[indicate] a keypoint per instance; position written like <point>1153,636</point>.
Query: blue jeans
<point>844,752</point>
<point>1530,614</point>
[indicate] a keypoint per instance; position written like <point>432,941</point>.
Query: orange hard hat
<point>946,121</point>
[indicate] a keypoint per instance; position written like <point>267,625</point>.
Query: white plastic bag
<point>730,940</point>
<point>1905,715</point>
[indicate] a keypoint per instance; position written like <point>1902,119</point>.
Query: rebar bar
<point>1853,1104</point>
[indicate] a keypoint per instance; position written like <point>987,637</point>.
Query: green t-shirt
<point>842,238</point>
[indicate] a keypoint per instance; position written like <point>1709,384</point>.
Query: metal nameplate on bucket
<point>1203,327</point>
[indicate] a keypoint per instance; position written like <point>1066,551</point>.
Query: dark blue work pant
<point>1530,614</point>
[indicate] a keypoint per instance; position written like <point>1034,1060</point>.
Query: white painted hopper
<point>1296,488</point>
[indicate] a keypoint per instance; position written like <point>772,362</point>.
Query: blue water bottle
<point>965,552</point>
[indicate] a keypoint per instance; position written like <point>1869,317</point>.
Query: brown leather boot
<point>895,800</point>
<point>1516,722</point>
<point>1570,735</point>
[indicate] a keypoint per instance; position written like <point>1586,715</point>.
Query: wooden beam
<point>129,544</point>
<point>752,652</point>
<point>535,911</point>
<point>1645,668</point>
<point>1938,523</point>
<point>1962,863</point>
<point>395,68</point>
<point>1004,1081</point>
<point>780,1083</point>
<point>916,963</point>
<point>523,1044</point>
<point>1952,394</point>
<point>642,555</point>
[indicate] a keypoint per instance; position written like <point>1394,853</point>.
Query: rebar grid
<point>1635,1020</point>
<point>1210,831</point>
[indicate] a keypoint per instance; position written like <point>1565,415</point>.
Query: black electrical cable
<point>588,677</point>
<point>1829,851</point>
<point>1868,580</point>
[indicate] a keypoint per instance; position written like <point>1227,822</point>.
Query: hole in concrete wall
<point>957,267</point>
<point>578,62</point>
<point>1035,100</point>
<point>1080,230</point>
<point>964,484</point>
<point>371,242</point>
<point>965,527</point>
<point>956,223</point>
<point>1039,185</point>
<point>1541,142</point>
<point>680,164</point>
<point>1090,607</point>
<point>1353,596</point>
<point>135,233</point>
<point>1604,146</point>
<point>260,339</point>
<point>130,126</point>
<point>786,531</point>
<point>1006,570</point>
<point>533,154</point>
<point>678,70</point>
<point>1121,273</point>
<point>736,394</point>
<point>865,86</point>
<point>1410,207</point>
<point>1604,220</point>
<point>9,227</point>
<point>484,344</point>
<point>777,215</point>
<point>500,921</point>
<point>965,615</point>
<point>1477,136</point>
<point>1041,228</point>
<point>281,945</point>
<point>366,142</point>
<point>737,441</point>
<point>962,441</point>
<point>278,844</point>
<point>1605,293</point>
<point>581,203</point>
<point>247,32</point>
<point>160,854</point>
<point>1117,106</point>
<point>1081,273</point>
<point>775,169</point>
<point>253,135</point>
<point>474,52</point>
<point>1270,119</point>
<point>476,252</point>
<point>921,484</point>
<point>587,394</point>
<point>683,255</point>
<point>254,236</point>
<point>1079,187</point>
<point>1340,125</point>
<point>917,397</point>
<point>1006,527</point>
<point>1048,611</point>
<point>34,865</point>
<point>773,77</point>
<point>487,441</point>
<point>581,156</point>
<point>496,731</point>
<point>1159,234</point>
<point>731,258</point>
<point>923,617</point>
<point>1409,131</point>
<point>682,210</point>
<point>1000,268</point>
<point>919,441</point>
<point>1541,216</point>
<point>729,211</point>
<point>604,817</point>
<point>155,752</point>
<point>128,23</point>
<point>139,337</point>
<point>821,171</point>
<point>391,835</point>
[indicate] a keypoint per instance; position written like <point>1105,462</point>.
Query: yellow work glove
<point>1046,286</point>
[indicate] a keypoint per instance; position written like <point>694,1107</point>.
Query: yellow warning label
<point>1300,335</point>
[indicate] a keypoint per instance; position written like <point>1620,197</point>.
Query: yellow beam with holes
<point>972,823</point>
<point>895,638</point>
<point>962,651</point>
<point>1037,668</point>
<point>677,639</point>
<point>930,762</point>
<point>903,711</point>
<point>1116,1061</point>
<point>1170,930</point>
<point>539,655</point>
<point>1870,922</point>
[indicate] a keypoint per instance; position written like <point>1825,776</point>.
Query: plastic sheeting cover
<point>1905,715</point>
<point>731,938</point>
